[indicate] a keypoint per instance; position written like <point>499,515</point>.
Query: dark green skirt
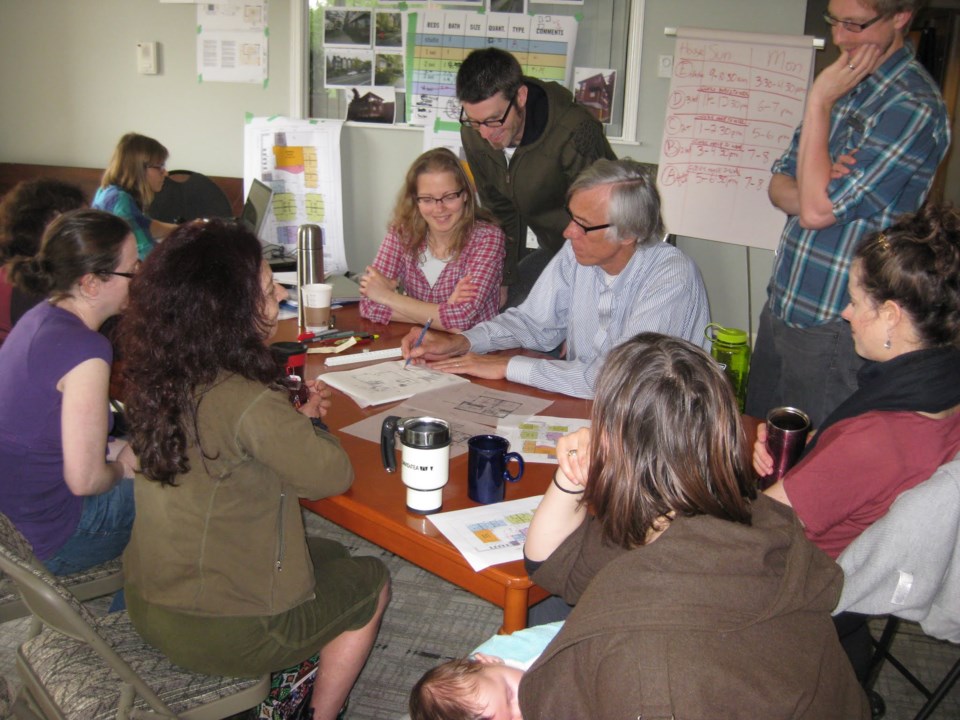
<point>346,598</point>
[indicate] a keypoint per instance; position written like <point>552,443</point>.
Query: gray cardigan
<point>908,562</point>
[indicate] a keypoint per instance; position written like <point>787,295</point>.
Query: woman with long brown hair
<point>442,258</point>
<point>693,596</point>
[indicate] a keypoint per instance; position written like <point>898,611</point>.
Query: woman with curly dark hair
<point>24,214</point>
<point>220,575</point>
<point>442,258</point>
<point>693,596</point>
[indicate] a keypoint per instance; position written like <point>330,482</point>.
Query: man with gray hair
<point>613,278</point>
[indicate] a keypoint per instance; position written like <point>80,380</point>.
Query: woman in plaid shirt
<point>442,257</point>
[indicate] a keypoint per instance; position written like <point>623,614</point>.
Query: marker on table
<point>419,340</point>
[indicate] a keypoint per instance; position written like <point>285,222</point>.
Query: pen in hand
<point>419,340</point>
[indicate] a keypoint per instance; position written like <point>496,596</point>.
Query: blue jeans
<point>102,533</point>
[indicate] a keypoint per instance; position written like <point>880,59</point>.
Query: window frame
<point>300,57</point>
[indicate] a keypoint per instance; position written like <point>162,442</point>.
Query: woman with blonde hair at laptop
<point>135,174</point>
<point>442,258</point>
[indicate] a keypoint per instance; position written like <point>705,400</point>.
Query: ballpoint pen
<point>419,340</point>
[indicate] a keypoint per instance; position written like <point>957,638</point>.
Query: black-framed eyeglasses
<point>585,228</point>
<point>448,199</point>
<point>128,275</point>
<point>476,124</point>
<point>849,25</point>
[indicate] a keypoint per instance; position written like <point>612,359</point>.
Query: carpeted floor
<point>430,620</point>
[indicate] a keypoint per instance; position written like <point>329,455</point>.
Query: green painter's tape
<point>445,126</point>
<point>247,118</point>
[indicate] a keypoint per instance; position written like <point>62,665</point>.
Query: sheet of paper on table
<point>536,437</point>
<point>489,534</point>
<point>389,382</point>
<point>472,410</point>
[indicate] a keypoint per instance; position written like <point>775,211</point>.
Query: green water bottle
<point>731,350</point>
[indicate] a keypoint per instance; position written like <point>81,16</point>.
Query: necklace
<point>439,250</point>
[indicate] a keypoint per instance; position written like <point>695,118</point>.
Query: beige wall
<point>69,89</point>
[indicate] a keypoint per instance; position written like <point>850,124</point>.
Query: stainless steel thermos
<point>309,262</point>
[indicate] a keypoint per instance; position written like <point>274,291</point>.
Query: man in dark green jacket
<point>526,142</point>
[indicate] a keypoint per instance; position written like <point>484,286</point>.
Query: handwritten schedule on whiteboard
<point>735,100</point>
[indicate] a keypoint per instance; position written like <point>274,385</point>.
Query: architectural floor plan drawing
<point>389,382</point>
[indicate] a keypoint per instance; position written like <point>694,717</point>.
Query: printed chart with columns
<point>438,41</point>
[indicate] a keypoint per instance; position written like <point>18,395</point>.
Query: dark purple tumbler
<point>787,430</point>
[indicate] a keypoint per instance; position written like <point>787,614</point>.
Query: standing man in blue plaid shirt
<point>873,133</point>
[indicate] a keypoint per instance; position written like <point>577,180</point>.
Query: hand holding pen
<point>419,341</point>
<point>433,345</point>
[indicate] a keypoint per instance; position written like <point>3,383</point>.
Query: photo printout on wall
<point>347,28</point>
<point>344,68</point>
<point>388,30</point>
<point>388,70</point>
<point>372,105</point>
<point>507,6</point>
<point>594,89</point>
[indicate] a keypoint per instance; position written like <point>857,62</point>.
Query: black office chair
<point>188,195</point>
<point>906,566</point>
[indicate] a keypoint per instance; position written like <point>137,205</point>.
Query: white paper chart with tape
<point>735,100</point>
<point>300,161</point>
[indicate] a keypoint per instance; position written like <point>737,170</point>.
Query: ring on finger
<point>852,66</point>
<point>572,452</point>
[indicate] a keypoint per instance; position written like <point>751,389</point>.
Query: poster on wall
<point>300,161</point>
<point>439,40</point>
<point>232,42</point>
<point>735,100</point>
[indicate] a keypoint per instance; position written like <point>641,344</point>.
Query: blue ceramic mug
<point>487,468</point>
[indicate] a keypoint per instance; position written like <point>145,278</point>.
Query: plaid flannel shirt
<point>896,121</point>
<point>482,259</point>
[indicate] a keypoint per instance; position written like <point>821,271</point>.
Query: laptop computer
<point>256,208</point>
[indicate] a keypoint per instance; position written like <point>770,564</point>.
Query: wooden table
<point>375,507</point>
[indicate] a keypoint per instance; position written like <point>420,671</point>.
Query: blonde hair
<point>407,221</point>
<point>128,166</point>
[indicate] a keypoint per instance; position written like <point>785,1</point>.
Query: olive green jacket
<point>228,538</point>
<point>532,191</point>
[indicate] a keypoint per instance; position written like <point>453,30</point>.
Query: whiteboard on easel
<point>735,101</point>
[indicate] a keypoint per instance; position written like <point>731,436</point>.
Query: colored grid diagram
<point>438,41</point>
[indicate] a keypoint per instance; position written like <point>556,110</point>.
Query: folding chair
<point>84,668</point>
